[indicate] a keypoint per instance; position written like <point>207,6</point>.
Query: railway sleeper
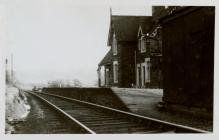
<point>127,130</point>
<point>104,121</point>
<point>93,124</point>
<point>115,126</point>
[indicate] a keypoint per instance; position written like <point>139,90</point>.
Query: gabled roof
<point>175,10</point>
<point>126,27</point>
<point>107,58</point>
<point>158,12</point>
<point>144,29</point>
<point>140,31</point>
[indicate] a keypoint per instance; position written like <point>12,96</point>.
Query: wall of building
<point>155,72</point>
<point>153,52</point>
<point>128,63</point>
<point>109,76</point>
<point>188,57</point>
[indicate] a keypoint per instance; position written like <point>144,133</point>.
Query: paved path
<point>144,102</point>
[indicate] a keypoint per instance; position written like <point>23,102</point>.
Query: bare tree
<point>77,83</point>
<point>65,83</point>
<point>56,83</point>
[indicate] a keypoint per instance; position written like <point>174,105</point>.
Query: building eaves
<point>107,58</point>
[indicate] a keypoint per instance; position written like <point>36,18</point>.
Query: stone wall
<point>101,96</point>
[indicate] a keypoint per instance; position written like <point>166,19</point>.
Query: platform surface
<point>144,102</point>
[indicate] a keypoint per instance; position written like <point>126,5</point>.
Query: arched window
<point>114,45</point>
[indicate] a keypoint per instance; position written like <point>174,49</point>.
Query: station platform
<point>145,102</point>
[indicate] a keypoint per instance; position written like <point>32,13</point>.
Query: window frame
<point>143,45</point>
<point>115,72</point>
<point>115,45</point>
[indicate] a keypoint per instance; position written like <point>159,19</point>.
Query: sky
<point>55,39</point>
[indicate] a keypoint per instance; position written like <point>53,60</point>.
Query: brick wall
<point>128,63</point>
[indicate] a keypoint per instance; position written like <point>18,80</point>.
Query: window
<point>102,77</point>
<point>114,45</point>
<point>107,76</point>
<point>115,71</point>
<point>143,45</point>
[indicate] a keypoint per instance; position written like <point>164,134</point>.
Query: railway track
<point>44,120</point>
<point>97,119</point>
